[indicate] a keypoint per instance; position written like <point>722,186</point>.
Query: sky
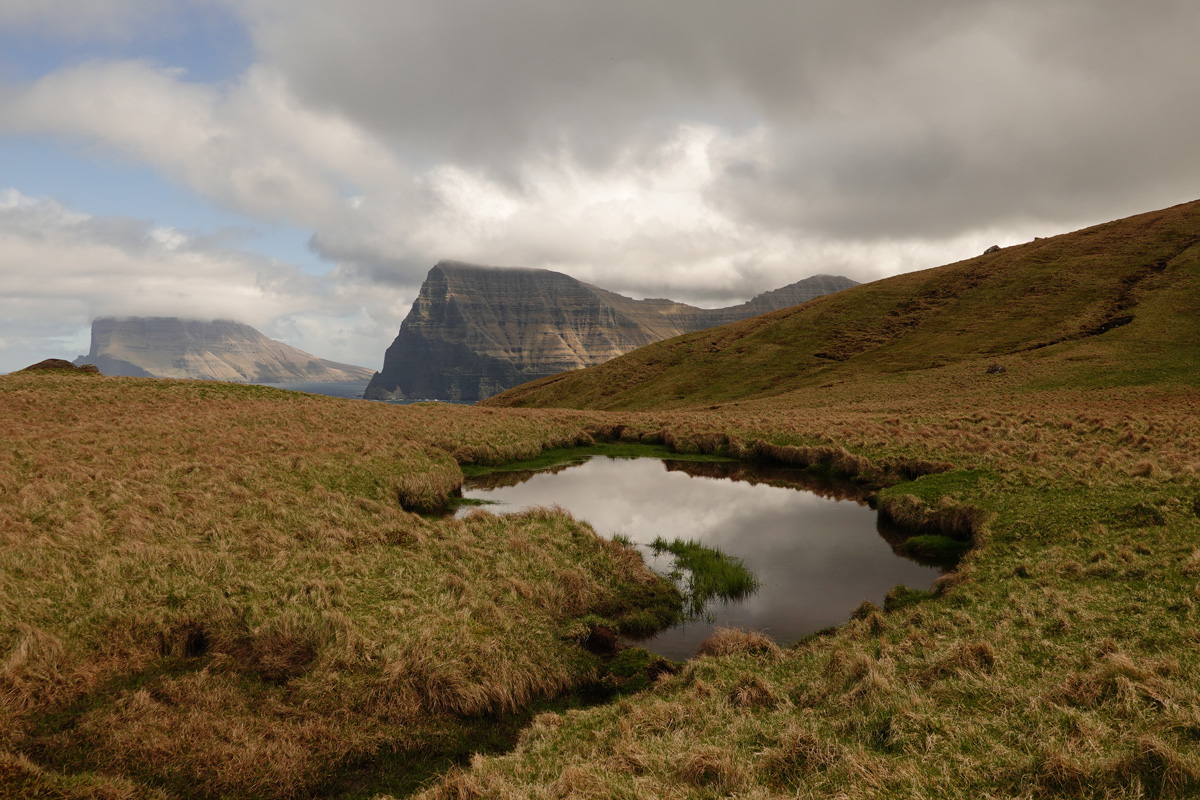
<point>299,165</point>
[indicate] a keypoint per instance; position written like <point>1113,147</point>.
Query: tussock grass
<point>1057,659</point>
<point>754,692</point>
<point>731,641</point>
<point>212,590</point>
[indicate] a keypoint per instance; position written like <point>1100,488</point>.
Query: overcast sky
<point>301,164</point>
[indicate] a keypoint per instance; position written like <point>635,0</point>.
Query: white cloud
<point>249,145</point>
<point>64,268</point>
<point>705,156</point>
<point>652,222</point>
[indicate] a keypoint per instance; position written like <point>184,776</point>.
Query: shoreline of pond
<point>884,542</point>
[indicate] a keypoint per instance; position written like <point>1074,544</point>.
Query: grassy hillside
<point>1059,660</point>
<point>1108,305</point>
<point>210,590</point>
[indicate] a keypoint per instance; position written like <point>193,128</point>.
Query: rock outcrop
<point>475,331</point>
<point>222,350</point>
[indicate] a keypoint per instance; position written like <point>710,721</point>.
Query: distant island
<point>219,350</point>
<point>475,331</point>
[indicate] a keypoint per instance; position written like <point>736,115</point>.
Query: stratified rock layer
<point>222,350</point>
<point>475,331</point>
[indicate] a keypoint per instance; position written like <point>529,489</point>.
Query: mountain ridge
<point>475,330</point>
<point>223,350</point>
<point>1093,305</point>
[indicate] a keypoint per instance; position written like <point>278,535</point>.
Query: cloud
<point>64,268</point>
<point>874,119</point>
<point>648,222</point>
<point>249,145</point>
<point>475,80</point>
<point>93,19</point>
<point>704,153</point>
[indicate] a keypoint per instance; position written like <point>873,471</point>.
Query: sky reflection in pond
<point>816,558</point>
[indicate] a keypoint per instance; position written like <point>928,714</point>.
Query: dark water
<point>817,551</point>
<point>348,389</point>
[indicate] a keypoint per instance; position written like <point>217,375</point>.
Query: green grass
<point>454,503</point>
<point>705,574</point>
<point>1029,307</point>
<point>935,549</point>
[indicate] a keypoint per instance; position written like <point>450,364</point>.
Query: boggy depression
<point>816,550</point>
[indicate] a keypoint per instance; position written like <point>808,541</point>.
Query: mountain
<point>1110,305</point>
<point>476,330</point>
<point>222,350</point>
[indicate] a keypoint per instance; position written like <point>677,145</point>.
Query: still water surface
<point>816,557</point>
<point>348,389</point>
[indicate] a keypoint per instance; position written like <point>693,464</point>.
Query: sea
<point>352,390</point>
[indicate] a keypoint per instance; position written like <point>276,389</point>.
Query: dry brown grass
<point>218,590</point>
<point>731,641</point>
<point>710,766</point>
<point>752,691</point>
<point>136,516</point>
<point>1056,660</point>
<point>800,753</point>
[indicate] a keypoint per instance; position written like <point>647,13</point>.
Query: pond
<point>816,549</point>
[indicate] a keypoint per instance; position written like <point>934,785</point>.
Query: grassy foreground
<point>213,591</point>
<point>1059,660</point>
<point>1058,380</point>
<point>210,591</point>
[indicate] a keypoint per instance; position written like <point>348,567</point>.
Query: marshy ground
<point>748,544</point>
<point>210,590</point>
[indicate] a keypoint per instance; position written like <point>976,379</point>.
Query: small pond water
<point>816,548</point>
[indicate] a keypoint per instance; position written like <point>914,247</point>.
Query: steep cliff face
<point>475,331</point>
<point>169,347</point>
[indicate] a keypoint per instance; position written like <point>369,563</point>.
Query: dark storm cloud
<point>700,150</point>
<point>479,80</point>
<point>849,119</point>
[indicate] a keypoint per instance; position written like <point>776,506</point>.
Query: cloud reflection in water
<point>816,558</point>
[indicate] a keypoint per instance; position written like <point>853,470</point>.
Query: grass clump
<point>705,574</point>
<point>222,592</point>
<point>901,596</point>
<point>934,549</point>
<point>732,641</point>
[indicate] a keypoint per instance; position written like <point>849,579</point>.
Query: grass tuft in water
<point>935,549</point>
<point>455,502</point>
<point>705,574</point>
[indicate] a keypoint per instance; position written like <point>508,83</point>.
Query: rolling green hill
<point>1109,305</point>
